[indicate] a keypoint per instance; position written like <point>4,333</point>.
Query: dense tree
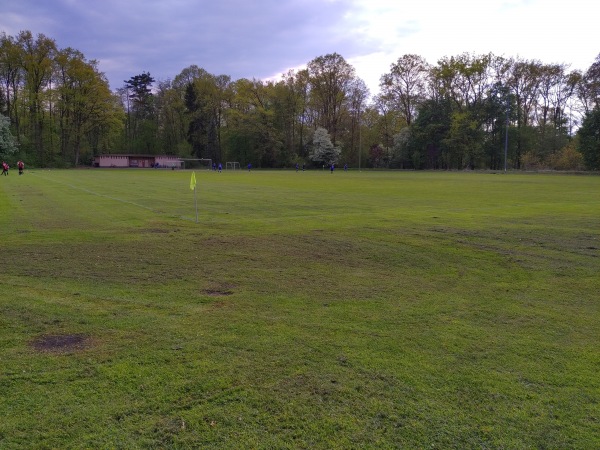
<point>11,75</point>
<point>549,113</point>
<point>170,109</point>
<point>498,110</point>
<point>140,92</point>
<point>37,59</point>
<point>377,127</point>
<point>85,103</point>
<point>463,142</point>
<point>141,127</point>
<point>252,119</point>
<point>523,82</point>
<point>8,144</point>
<point>58,103</point>
<point>426,144</point>
<point>289,102</point>
<point>378,156</point>
<point>466,84</point>
<point>590,86</point>
<point>387,124</point>
<point>567,158</point>
<point>589,139</point>
<point>330,82</point>
<point>400,154</point>
<point>354,105</point>
<point>204,101</point>
<point>454,114</point>
<point>405,85</point>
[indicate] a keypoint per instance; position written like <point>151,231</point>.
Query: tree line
<point>465,112</point>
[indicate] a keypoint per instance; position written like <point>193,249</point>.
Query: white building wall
<point>113,161</point>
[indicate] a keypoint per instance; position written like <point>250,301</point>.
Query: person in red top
<point>4,168</point>
<point>21,166</point>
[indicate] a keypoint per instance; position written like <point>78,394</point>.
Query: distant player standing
<point>4,168</point>
<point>21,166</point>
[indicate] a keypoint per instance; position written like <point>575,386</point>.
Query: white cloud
<point>550,31</point>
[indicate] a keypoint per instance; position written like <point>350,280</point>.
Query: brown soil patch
<point>61,342</point>
<point>217,292</point>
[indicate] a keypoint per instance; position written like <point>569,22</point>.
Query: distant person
<point>332,167</point>
<point>220,167</point>
<point>4,168</point>
<point>303,167</point>
<point>214,167</point>
<point>249,167</point>
<point>296,167</point>
<point>345,167</point>
<point>21,166</point>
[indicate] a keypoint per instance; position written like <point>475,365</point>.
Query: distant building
<point>163,161</point>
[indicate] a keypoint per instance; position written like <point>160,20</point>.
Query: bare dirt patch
<point>156,230</point>
<point>217,292</point>
<point>61,343</point>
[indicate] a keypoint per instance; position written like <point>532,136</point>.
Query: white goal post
<point>233,165</point>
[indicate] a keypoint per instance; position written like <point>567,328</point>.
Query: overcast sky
<point>264,38</point>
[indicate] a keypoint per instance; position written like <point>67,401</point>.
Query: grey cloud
<point>232,37</point>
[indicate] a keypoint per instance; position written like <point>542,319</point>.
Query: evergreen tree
<point>589,139</point>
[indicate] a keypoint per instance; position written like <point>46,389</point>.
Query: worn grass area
<point>304,310</point>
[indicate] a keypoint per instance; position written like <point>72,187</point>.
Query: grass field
<point>303,310</point>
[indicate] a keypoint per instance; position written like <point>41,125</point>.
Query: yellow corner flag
<point>193,181</point>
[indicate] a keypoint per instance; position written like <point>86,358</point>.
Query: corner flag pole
<point>193,188</point>
<point>196,204</point>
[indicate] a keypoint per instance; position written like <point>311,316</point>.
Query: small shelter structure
<point>149,161</point>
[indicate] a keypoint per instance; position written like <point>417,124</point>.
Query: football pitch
<point>301,310</point>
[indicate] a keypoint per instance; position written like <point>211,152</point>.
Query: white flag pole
<point>196,204</point>
<point>193,187</point>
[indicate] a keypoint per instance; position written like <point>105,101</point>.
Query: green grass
<point>303,310</point>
